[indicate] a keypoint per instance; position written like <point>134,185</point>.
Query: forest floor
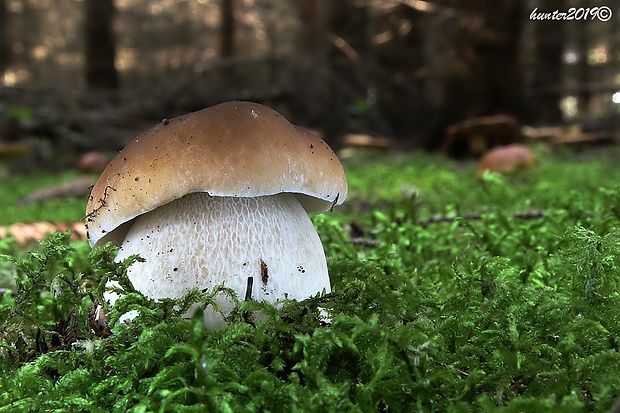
<point>449,294</point>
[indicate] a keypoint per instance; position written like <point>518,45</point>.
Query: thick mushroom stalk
<point>264,248</point>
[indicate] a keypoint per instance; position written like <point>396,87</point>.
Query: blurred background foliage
<point>96,72</point>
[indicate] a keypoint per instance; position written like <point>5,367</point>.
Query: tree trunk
<point>488,46</point>
<point>544,106</point>
<point>584,93</point>
<point>227,35</point>
<point>100,45</point>
<point>485,78</point>
<point>5,44</point>
<point>349,48</point>
<point>311,30</point>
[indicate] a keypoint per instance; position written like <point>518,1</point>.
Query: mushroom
<point>220,196</point>
<point>506,159</point>
<point>93,161</point>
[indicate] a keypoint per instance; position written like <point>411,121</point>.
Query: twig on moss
<point>459,371</point>
<point>474,217</point>
<point>79,188</point>
<point>372,243</point>
<point>365,242</point>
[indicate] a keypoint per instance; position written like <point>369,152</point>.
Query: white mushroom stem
<point>199,241</point>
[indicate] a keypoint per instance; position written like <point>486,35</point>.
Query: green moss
<point>489,310</point>
<point>14,189</point>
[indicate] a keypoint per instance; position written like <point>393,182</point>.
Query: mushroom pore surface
<point>200,241</point>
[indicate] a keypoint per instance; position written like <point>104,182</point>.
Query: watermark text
<point>602,13</point>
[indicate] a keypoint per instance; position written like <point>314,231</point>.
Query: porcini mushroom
<point>220,196</point>
<point>506,159</point>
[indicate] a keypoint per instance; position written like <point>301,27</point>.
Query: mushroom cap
<point>234,149</point>
<point>506,159</point>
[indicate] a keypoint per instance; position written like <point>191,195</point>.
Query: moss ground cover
<point>448,295</point>
<point>13,190</point>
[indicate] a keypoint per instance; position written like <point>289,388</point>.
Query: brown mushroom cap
<point>234,149</point>
<point>506,159</point>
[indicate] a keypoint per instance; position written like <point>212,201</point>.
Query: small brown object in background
<point>475,136</point>
<point>93,162</point>
<point>358,140</point>
<point>11,153</point>
<point>506,159</point>
<point>14,150</point>
<point>36,231</point>
<point>575,136</point>
<point>79,188</point>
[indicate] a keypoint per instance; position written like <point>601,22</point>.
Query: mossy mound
<point>449,294</point>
